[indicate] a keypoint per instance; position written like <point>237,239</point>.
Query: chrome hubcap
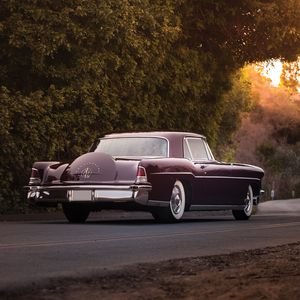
<point>248,203</point>
<point>176,200</point>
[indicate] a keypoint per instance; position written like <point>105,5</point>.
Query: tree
<point>270,136</point>
<point>243,31</point>
<point>72,70</point>
<point>290,76</point>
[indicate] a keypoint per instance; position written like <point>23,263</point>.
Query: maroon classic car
<point>165,173</point>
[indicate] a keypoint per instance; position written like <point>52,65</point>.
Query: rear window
<point>134,147</point>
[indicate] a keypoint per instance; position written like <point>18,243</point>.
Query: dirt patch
<point>269,273</point>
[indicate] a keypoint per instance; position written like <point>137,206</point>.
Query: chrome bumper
<point>89,193</point>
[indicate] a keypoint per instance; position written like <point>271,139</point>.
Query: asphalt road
<point>34,251</point>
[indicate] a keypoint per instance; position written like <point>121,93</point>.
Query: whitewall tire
<point>246,213</point>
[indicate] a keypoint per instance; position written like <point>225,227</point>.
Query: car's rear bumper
<point>136,193</point>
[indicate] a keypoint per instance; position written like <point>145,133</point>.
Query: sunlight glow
<point>272,70</point>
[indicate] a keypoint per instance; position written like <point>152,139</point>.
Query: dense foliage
<point>270,135</point>
<point>72,70</point>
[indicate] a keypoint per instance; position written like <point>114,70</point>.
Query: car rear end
<point>94,179</point>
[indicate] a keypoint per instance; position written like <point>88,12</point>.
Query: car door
<point>213,184</point>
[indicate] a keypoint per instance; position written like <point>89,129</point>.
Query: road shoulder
<point>268,273</point>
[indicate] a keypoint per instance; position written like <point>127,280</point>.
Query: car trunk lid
<point>100,168</point>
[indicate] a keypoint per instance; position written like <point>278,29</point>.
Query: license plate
<point>74,195</point>
<point>112,194</point>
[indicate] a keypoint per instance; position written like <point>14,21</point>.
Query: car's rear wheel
<point>75,212</point>
<point>246,213</point>
<point>175,210</point>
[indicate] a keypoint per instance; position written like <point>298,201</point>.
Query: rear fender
<point>54,172</point>
<point>163,173</point>
<point>49,168</point>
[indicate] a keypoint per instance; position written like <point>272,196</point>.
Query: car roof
<point>163,134</point>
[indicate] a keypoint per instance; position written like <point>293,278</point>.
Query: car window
<point>195,149</point>
<point>187,153</point>
<point>134,147</point>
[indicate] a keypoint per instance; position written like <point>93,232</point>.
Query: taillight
<point>34,177</point>
<point>141,175</point>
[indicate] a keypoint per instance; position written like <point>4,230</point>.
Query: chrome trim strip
<point>206,177</point>
<point>227,177</point>
<point>158,203</point>
<point>173,173</point>
<point>94,187</point>
<point>216,207</point>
